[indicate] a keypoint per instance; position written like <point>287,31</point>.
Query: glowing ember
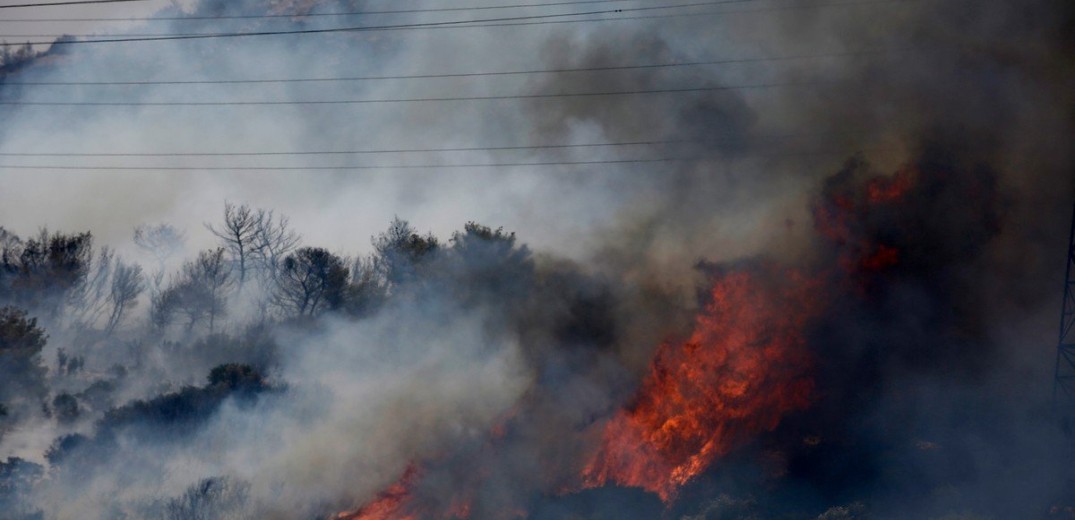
<point>743,368</point>
<point>844,210</point>
<point>882,257</point>
<point>888,189</point>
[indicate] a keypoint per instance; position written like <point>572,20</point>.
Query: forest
<point>83,330</point>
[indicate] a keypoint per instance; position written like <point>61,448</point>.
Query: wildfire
<point>743,368</point>
<point>397,503</point>
<point>843,210</point>
<point>390,504</point>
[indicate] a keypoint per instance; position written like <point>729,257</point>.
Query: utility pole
<point>1064,382</point>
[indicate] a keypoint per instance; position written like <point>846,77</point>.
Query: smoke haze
<point>891,181</point>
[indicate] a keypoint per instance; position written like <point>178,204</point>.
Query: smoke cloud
<point>905,164</point>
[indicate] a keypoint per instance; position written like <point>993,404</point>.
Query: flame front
<point>742,369</point>
<point>390,504</point>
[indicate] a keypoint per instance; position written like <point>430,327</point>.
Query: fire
<point>397,503</point>
<point>845,208</point>
<point>390,504</point>
<point>889,189</point>
<point>743,368</point>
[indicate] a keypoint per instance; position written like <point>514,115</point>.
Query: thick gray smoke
<point>483,368</point>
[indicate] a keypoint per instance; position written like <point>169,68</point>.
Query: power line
<point>313,15</point>
<point>465,74</point>
<point>72,2</point>
<point>498,22</point>
<point>344,152</point>
<point>417,25</point>
<point>650,142</point>
<point>341,168</point>
<point>410,100</point>
<point>445,166</point>
<point>694,14</point>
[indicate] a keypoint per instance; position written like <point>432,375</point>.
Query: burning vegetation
<point>744,366</point>
<point>650,346</point>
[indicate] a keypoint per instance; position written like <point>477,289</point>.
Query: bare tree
<point>162,241</point>
<point>273,240</point>
<point>9,242</point>
<point>198,292</point>
<point>86,302</point>
<point>211,273</point>
<point>110,289</point>
<point>239,233</point>
<point>127,284</point>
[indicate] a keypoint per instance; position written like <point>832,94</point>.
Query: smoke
<point>911,156</point>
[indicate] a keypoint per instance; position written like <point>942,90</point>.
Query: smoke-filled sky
<point>701,137</point>
<point>558,205</point>
<point>857,77</point>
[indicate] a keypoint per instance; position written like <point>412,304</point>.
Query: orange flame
<point>743,368</point>
<point>390,504</point>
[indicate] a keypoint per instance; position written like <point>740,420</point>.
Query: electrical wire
<point>314,15</point>
<point>497,22</point>
<point>71,2</point>
<point>463,74</point>
<point>412,100</point>
<point>338,168</point>
<point>442,166</point>
<point>344,152</point>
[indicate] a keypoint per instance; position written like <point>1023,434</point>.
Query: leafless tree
<point>239,233</point>
<point>87,300</point>
<point>198,292</point>
<point>162,241</point>
<point>273,240</point>
<point>9,241</point>
<point>127,284</point>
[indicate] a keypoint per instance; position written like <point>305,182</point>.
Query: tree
<point>10,252</point>
<point>22,376</point>
<point>162,241</point>
<point>65,407</point>
<point>198,292</point>
<point>219,498</point>
<point>9,242</point>
<point>367,289</point>
<point>13,58</point>
<point>47,269</point>
<point>110,289</point>
<point>127,284</point>
<point>400,252</point>
<point>17,479</point>
<point>239,235</point>
<point>311,279</point>
<point>235,375</point>
<point>273,239</point>
<point>485,265</point>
